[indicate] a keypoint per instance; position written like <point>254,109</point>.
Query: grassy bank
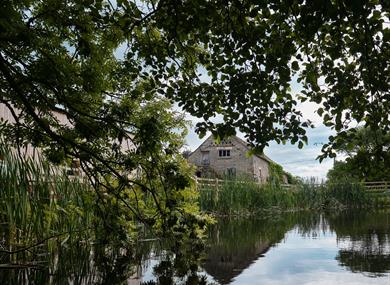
<point>245,197</point>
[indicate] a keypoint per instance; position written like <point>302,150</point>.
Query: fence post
<point>217,190</point>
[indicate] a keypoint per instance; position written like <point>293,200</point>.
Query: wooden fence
<point>377,186</point>
<point>216,183</point>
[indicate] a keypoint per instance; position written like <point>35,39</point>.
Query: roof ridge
<point>263,156</point>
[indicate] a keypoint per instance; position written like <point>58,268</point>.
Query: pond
<point>351,247</point>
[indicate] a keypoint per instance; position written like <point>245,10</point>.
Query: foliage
<point>240,197</point>
<point>368,156</point>
<point>60,55</point>
<point>58,227</point>
<point>107,66</point>
<point>41,203</point>
<point>291,179</point>
<point>342,171</point>
<point>72,98</point>
<point>277,175</point>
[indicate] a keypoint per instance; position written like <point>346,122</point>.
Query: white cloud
<point>302,162</point>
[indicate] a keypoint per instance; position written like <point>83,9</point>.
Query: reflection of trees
<point>78,264</point>
<point>365,240</point>
<point>311,224</point>
<point>373,264</point>
<point>235,244</point>
<point>179,264</point>
<point>105,264</point>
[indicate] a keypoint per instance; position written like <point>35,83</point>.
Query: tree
<point>367,156</point>
<point>58,56</point>
<point>342,172</point>
<point>63,56</point>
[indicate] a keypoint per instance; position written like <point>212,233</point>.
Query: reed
<point>245,197</point>
<point>38,201</point>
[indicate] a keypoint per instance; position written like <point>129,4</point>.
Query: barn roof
<point>262,156</point>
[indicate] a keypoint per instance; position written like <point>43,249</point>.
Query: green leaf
<point>295,65</point>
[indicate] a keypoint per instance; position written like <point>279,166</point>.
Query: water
<point>296,248</point>
<point>345,248</point>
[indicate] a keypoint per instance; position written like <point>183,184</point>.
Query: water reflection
<point>368,250</point>
<point>103,264</point>
<point>301,245</point>
<point>236,244</point>
<point>79,264</point>
<point>292,248</point>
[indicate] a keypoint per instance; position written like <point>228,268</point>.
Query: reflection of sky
<point>303,260</point>
<point>297,260</point>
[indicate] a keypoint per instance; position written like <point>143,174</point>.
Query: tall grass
<point>38,201</point>
<point>245,197</point>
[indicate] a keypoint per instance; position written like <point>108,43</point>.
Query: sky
<point>299,162</point>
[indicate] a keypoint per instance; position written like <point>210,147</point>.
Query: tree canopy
<point>108,65</point>
<point>367,156</point>
<point>63,53</point>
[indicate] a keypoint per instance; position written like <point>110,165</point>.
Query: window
<point>224,152</point>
